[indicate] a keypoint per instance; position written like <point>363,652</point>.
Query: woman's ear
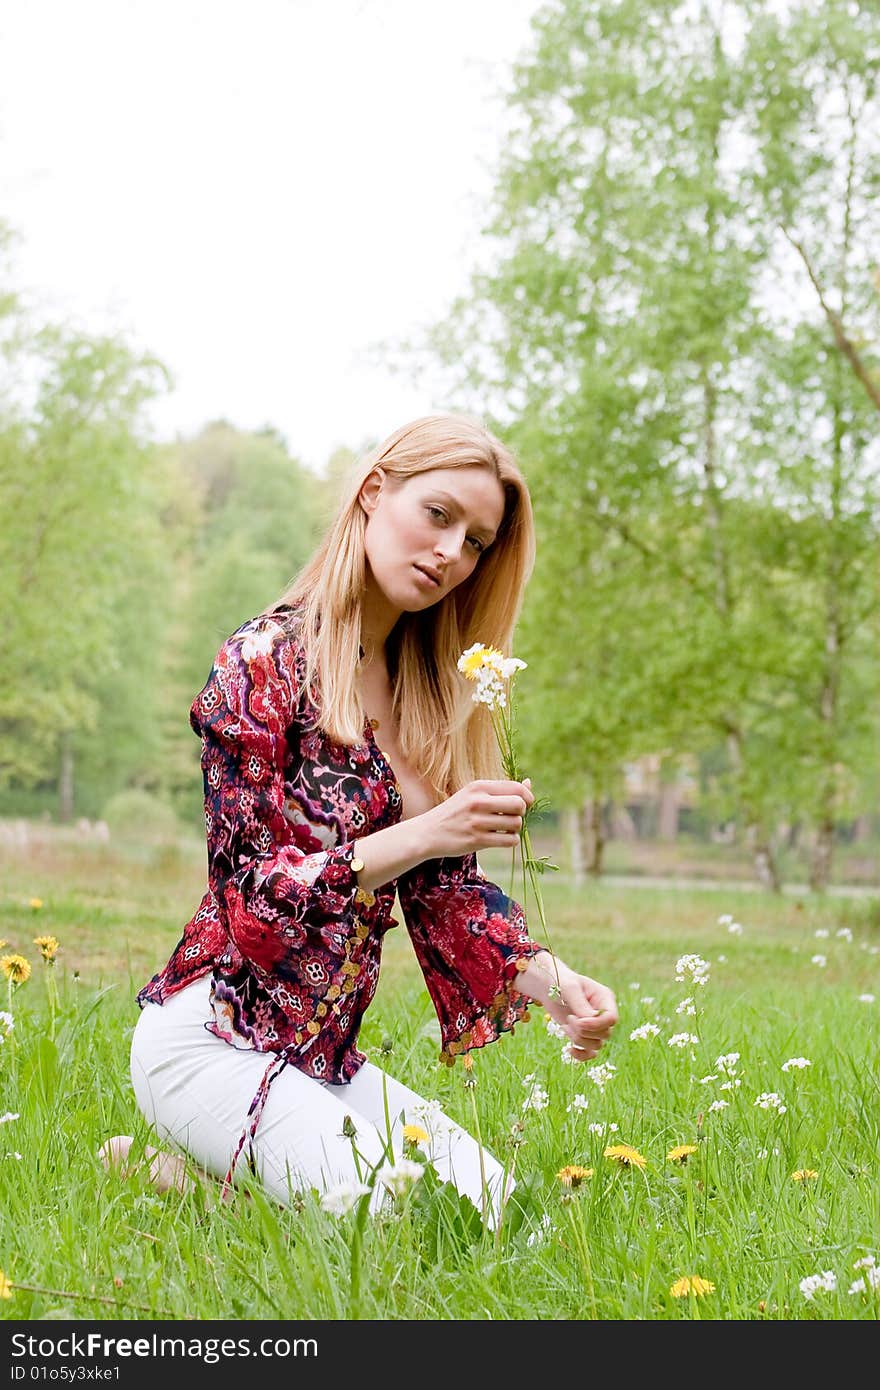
<point>370,490</point>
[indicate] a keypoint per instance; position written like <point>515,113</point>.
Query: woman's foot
<point>166,1171</point>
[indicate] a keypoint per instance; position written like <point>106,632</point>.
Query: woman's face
<point>425,534</point>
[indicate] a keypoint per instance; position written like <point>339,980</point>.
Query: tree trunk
<point>65,779</point>
<point>594,835</point>
<point>820,860</point>
<point>575,841</point>
<point>667,828</point>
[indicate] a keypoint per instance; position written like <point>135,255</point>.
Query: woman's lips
<point>426,578</point>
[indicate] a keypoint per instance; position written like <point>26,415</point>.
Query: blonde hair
<point>443,733</point>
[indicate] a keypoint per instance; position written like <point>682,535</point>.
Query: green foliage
<point>137,814</point>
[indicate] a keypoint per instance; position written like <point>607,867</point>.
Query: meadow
<point>741,1181</point>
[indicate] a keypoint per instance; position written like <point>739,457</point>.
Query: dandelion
<point>821,961</point>
<point>579,1102</point>
<point>682,1040</point>
<point>35,904</point>
<point>813,1283</point>
<point>869,1280</point>
<point>804,1175</point>
<point>491,671</point>
<point>719,1105</point>
<point>800,1063</point>
<point>48,948</point>
<point>399,1177</point>
<point>647,1030</point>
<point>16,969</point>
<point>681,1153</point>
<point>686,1006</point>
<point>694,967</point>
<point>866,998</point>
<point>691,1283</point>
<point>414,1134</point>
<point>771,1100</point>
<point>602,1127</point>
<point>573,1176</point>
<point>625,1155</point>
<point>5,1286</point>
<point>339,1200</point>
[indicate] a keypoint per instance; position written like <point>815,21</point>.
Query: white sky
<point>258,192</point>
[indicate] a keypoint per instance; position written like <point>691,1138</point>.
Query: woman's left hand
<point>585,1009</point>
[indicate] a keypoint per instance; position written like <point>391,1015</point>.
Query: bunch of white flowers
<point>682,1040</point>
<point>579,1102</point>
<point>601,1074</point>
<point>686,1007</point>
<point>647,1030</point>
<point>771,1100</point>
<point>339,1200</point>
<point>490,670</point>
<point>537,1099</point>
<point>693,968</point>
<point>810,1286</point>
<point>400,1176</point>
<point>796,1062</point>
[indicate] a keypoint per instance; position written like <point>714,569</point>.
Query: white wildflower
<point>869,1280</point>
<point>821,933</point>
<point>771,1100</point>
<point>725,919</point>
<point>686,1006</point>
<point>647,1030</point>
<point>735,929</point>
<point>647,999</point>
<point>796,1062</point>
<point>866,1262</point>
<point>682,1040</point>
<point>866,998</point>
<point>538,1236</point>
<point>844,933</point>
<point>555,1029</point>
<point>601,1074</point>
<point>537,1099</point>
<point>765,1153</point>
<point>705,1080</point>
<point>814,1282</point>
<point>730,1085</point>
<point>692,967</point>
<point>727,1063</point>
<point>601,1128</point>
<point>579,1102</point>
<point>721,959</point>
<point>634,984</point>
<point>9,1116</point>
<point>565,1054</point>
<point>399,1177</point>
<point>7,1024</point>
<point>719,1105</point>
<point>819,960</point>
<point>338,1200</point>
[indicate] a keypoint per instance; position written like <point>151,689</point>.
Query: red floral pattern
<point>293,943</point>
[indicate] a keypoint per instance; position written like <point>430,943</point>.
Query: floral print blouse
<point>290,939</point>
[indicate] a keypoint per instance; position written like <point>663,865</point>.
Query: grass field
<point>80,1243</point>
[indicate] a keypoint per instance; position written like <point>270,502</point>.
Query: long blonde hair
<point>442,731</point>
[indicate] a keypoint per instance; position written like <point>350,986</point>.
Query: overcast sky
<point>256,193</point>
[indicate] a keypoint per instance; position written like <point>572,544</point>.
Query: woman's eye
<point>435,511</point>
<point>478,545</point>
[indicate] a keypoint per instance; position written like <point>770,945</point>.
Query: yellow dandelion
<point>573,1176</point>
<point>15,968</point>
<point>804,1175</point>
<point>681,1153</point>
<point>467,1062</point>
<point>5,1286</point>
<point>48,946</point>
<point>691,1283</point>
<point>35,903</point>
<point>2,944</point>
<point>471,661</point>
<point>626,1156</point>
<point>414,1134</point>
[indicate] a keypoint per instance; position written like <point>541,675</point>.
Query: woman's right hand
<point>481,815</point>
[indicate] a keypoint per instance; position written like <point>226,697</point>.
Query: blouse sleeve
<point>471,942</point>
<point>278,899</point>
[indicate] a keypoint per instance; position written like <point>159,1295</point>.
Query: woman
<point>344,759</point>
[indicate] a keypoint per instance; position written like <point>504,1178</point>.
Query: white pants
<point>195,1089</point>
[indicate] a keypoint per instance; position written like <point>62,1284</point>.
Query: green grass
<point>99,1246</point>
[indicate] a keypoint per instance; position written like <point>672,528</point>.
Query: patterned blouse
<point>290,939</point>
